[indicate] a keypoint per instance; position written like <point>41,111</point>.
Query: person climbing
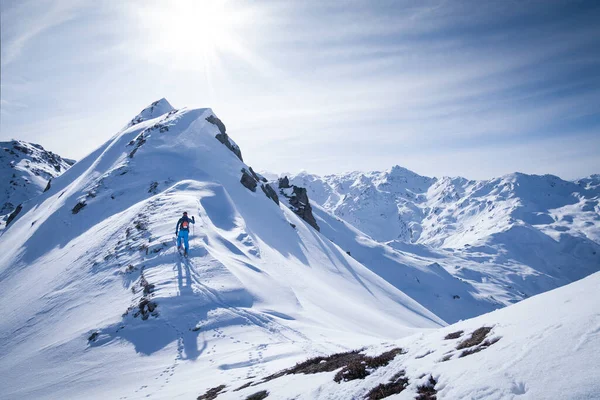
<point>182,231</point>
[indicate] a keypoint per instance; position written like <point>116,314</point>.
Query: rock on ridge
<point>298,200</point>
<point>223,137</point>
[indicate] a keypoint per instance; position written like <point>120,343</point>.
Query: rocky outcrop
<point>248,180</point>
<point>257,176</point>
<point>223,137</point>
<point>78,207</point>
<point>302,208</point>
<point>216,121</point>
<point>284,183</point>
<point>251,179</point>
<point>298,199</point>
<point>270,192</point>
<point>14,214</point>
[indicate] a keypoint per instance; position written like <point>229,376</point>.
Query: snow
<point>504,240</point>
<point>25,169</point>
<point>95,301</point>
<point>255,294</point>
<point>547,348</point>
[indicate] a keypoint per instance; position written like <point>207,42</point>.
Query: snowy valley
<point>96,302</point>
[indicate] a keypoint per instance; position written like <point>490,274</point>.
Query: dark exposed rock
<point>298,201</point>
<point>301,206</point>
<point>270,192</point>
<point>361,366</point>
<point>138,142</point>
<point>248,181</point>
<point>146,306</point>
<point>454,335</point>
<point>257,176</point>
<point>216,121</point>
<point>14,214</point>
<point>22,149</point>
<point>397,384</point>
<point>427,391</point>
<point>48,185</point>
<point>263,394</point>
<point>478,348</point>
<point>78,207</point>
<point>211,394</point>
<point>284,183</point>
<point>148,287</point>
<point>354,364</point>
<point>153,187</point>
<point>476,338</point>
<point>244,386</point>
<point>224,138</point>
<point>93,337</point>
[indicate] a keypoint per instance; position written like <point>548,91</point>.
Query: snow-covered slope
<point>506,239</point>
<point>416,272</point>
<point>95,302</point>
<point>545,347</point>
<point>25,170</point>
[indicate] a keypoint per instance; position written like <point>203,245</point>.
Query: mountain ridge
<point>92,288</point>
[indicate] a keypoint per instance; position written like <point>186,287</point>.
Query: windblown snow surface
<point>95,301</point>
<point>482,244</point>
<point>545,347</point>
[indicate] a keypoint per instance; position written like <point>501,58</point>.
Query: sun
<point>194,34</point>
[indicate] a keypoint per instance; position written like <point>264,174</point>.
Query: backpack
<point>184,225</point>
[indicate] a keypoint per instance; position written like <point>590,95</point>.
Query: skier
<point>182,231</point>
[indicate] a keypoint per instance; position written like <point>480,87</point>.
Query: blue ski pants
<point>183,235</point>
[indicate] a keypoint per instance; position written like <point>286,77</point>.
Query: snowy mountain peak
<point>26,168</point>
<point>397,170</point>
<point>108,290</point>
<point>154,110</point>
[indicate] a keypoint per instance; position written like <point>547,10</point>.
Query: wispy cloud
<point>353,84</point>
<point>23,21</point>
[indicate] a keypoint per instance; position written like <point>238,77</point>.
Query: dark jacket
<point>180,224</point>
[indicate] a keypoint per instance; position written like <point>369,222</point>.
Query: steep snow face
<point>507,238</point>
<point>545,347</point>
<point>96,301</point>
<point>25,169</point>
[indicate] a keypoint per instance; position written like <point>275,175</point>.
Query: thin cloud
<point>23,22</point>
<point>424,84</point>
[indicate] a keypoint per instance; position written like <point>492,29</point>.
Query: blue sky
<point>470,88</point>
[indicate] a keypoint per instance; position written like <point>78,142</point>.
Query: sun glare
<point>194,34</point>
